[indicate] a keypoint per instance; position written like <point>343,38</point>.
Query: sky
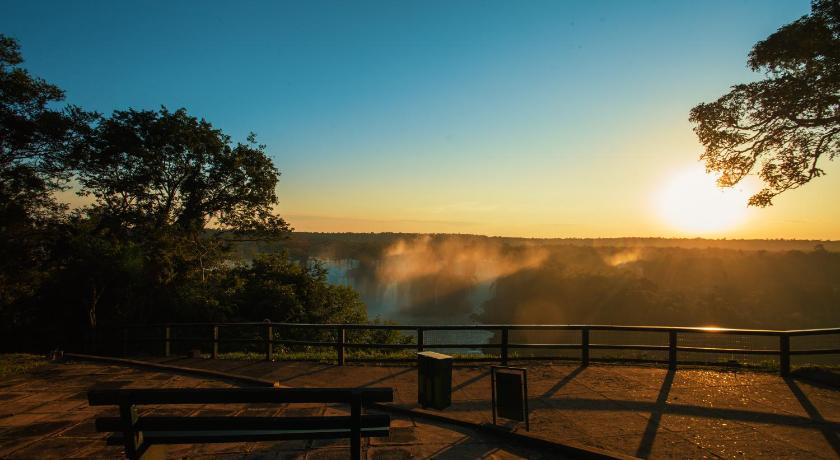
<point>535,119</point>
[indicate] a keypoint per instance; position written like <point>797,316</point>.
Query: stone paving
<point>44,415</point>
<point>640,411</point>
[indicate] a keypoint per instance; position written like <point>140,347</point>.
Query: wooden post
<point>584,347</point>
<point>504,346</point>
<point>356,427</point>
<point>269,339</point>
<point>672,350</point>
<point>784,355</point>
<point>420,340</point>
<point>132,439</point>
<point>215,342</point>
<point>340,346</point>
<point>167,344</point>
<point>125,341</point>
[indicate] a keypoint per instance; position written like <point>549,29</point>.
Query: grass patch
<point>326,355</point>
<point>329,356</point>
<point>17,363</point>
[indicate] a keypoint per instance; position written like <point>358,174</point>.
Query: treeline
<point>656,286</point>
<point>167,193</point>
<point>358,245</point>
<point>444,278</point>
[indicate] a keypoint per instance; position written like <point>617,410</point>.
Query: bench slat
<point>151,423</point>
<point>200,437</point>
<point>123,396</point>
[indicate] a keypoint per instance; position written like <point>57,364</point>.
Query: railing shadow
<point>306,373</point>
<point>471,381</point>
<point>827,428</point>
<point>655,419</point>
<point>562,382</point>
<point>387,377</point>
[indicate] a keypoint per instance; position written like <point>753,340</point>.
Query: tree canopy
<point>35,141</point>
<point>169,196</point>
<point>787,125</point>
<point>159,169</point>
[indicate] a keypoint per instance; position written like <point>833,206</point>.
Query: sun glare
<point>691,202</point>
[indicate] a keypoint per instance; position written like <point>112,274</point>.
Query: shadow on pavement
<point>468,382</point>
<point>560,384</point>
<point>660,406</point>
<point>829,430</point>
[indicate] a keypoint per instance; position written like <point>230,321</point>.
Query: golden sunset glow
<point>691,202</point>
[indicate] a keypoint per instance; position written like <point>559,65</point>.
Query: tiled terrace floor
<point>639,411</point>
<point>44,415</point>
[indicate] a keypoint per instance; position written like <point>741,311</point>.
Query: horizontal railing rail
<point>266,332</point>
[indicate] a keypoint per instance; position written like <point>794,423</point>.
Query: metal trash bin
<point>434,380</point>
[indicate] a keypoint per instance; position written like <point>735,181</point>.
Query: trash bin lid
<point>433,355</point>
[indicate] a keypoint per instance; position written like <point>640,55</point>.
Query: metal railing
<point>267,340</point>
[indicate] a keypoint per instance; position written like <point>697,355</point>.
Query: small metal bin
<point>434,380</point>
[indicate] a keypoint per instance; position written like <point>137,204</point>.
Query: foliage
<point>16,363</point>
<point>170,193</point>
<point>272,286</point>
<point>762,284</point>
<point>159,169</point>
<point>788,124</point>
<point>34,144</point>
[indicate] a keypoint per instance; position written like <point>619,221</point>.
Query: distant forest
<point>729,283</point>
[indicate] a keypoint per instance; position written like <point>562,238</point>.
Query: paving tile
<point>296,445</point>
<point>749,443</point>
<point>41,427</point>
<point>19,420</point>
<point>459,451</point>
<point>8,397</point>
<point>397,436</point>
<point>66,406</point>
<point>710,426</point>
<point>820,441</point>
<point>84,429</point>
<point>53,448</point>
<point>238,449</point>
<point>393,453</point>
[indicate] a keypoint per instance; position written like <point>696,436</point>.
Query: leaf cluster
<point>785,126</point>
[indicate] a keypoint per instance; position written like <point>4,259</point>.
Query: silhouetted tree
<point>170,194</point>
<point>151,170</point>
<point>786,124</point>
<point>35,142</point>
<point>174,191</point>
<point>273,286</point>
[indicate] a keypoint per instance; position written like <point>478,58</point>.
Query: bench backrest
<point>170,430</point>
<point>130,396</point>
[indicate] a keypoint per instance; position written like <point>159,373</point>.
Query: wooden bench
<point>146,437</point>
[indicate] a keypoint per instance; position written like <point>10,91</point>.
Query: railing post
<point>584,347</point>
<point>784,355</point>
<point>215,342</point>
<point>269,339</point>
<point>125,341</point>
<point>167,337</point>
<point>340,346</point>
<point>504,346</point>
<point>420,340</point>
<point>672,350</point>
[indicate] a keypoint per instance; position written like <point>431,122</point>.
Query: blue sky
<point>518,118</point>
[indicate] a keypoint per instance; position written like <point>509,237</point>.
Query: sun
<point>691,202</point>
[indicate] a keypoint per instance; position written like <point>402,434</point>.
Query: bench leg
<point>356,428</point>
